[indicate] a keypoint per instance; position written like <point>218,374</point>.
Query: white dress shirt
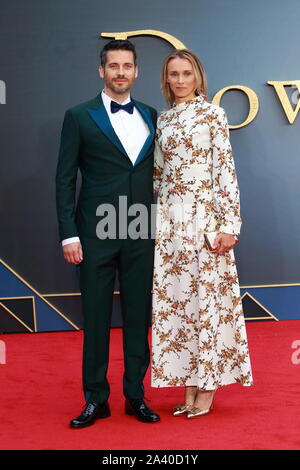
<point>132,131</point>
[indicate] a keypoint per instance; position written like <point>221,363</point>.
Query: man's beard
<point>117,90</point>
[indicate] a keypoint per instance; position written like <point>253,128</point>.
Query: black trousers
<point>133,260</point>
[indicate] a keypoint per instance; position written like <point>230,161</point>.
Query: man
<point>110,139</point>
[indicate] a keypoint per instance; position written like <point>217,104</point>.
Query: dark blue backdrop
<point>48,61</point>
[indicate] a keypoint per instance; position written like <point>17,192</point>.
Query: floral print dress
<point>198,333</point>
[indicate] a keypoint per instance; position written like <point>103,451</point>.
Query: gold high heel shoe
<point>195,412</point>
<point>179,410</point>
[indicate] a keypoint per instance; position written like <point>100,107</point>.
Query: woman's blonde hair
<point>201,80</point>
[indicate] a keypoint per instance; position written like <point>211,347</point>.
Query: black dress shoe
<point>91,412</point>
<point>142,412</point>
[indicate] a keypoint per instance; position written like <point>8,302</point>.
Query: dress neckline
<point>197,100</point>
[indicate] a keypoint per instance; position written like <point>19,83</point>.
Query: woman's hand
<point>223,242</point>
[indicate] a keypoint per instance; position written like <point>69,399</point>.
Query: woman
<point>199,336</point>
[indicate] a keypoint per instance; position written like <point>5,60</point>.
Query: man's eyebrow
<point>117,63</point>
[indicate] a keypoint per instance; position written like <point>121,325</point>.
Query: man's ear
<point>101,71</point>
<point>136,71</point>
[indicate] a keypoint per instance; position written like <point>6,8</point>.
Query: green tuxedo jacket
<point>89,143</point>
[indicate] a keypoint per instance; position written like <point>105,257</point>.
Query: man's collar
<point>107,99</point>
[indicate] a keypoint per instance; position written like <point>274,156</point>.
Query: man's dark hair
<point>117,45</point>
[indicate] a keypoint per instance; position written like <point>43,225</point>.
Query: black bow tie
<point>115,107</point>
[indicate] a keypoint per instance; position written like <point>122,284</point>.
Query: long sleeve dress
<point>198,333</point>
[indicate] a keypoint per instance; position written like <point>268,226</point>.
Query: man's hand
<point>223,242</point>
<point>73,253</point>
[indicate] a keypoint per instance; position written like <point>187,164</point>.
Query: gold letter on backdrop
<point>147,32</point>
<point>284,100</point>
<point>253,102</point>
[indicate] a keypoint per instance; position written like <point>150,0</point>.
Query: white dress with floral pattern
<point>198,333</point>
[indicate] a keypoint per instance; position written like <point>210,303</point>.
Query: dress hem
<point>221,385</point>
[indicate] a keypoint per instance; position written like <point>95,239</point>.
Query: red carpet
<point>41,392</point>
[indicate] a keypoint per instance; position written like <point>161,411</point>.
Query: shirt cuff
<point>67,241</point>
